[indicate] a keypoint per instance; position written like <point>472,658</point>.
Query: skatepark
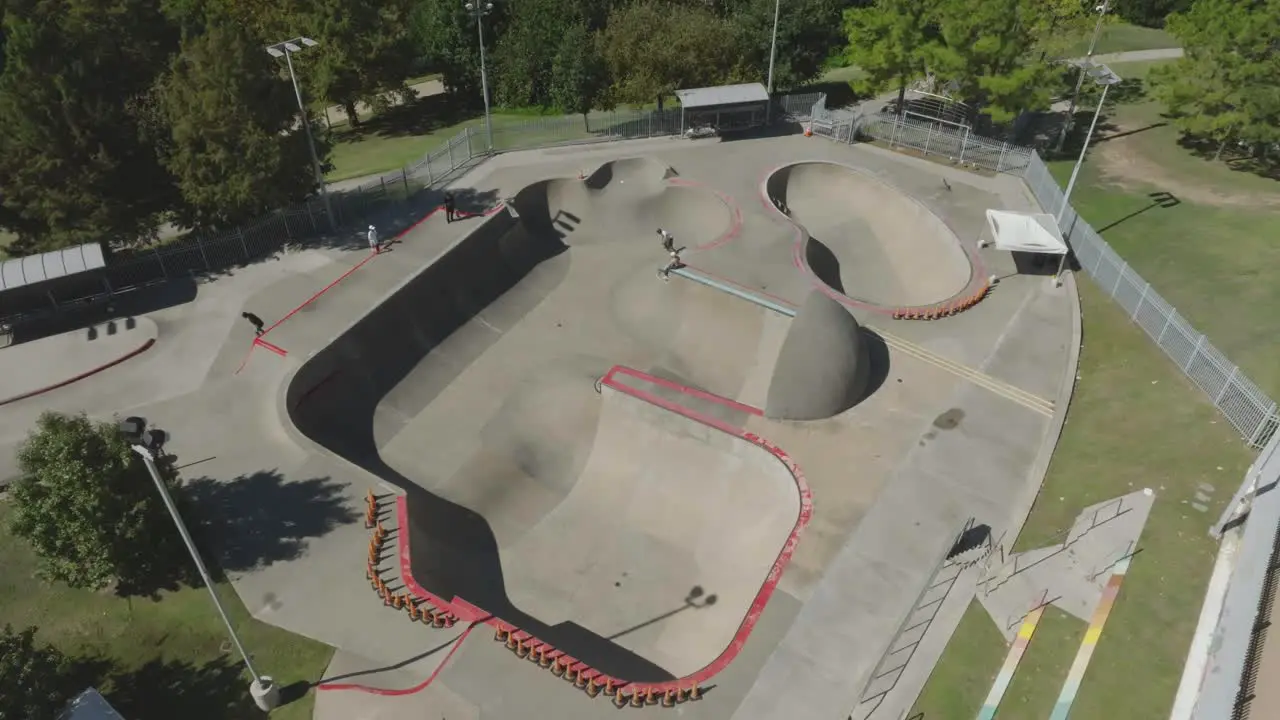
<point>717,479</point>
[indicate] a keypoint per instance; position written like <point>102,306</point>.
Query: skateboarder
<point>450,208</point>
<point>668,241</point>
<point>374,245</point>
<point>255,321</point>
<point>672,265</point>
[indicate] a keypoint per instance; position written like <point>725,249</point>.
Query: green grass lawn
<point>1210,255</point>
<point>1123,37</point>
<point>958,686</point>
<point>1134,422</point>
<point>1038,680</point>
<point>158,660</point>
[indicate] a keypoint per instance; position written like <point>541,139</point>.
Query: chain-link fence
<point>1241,401</point>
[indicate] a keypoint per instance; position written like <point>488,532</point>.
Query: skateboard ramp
<point>581,517</point>
<point>867,240</point>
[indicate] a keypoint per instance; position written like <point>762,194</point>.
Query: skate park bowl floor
<point>866,240</point>
<point>633,538</point>
<point>39,366</point>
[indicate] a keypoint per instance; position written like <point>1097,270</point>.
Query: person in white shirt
<point>373,240</point>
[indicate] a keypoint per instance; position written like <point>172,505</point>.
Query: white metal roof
<point>723,95</point>
<point>1026,232</point>
<point>89,705</point>
<point>48,266</point>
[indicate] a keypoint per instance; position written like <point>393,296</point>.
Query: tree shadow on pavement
<point>394,216</point>
<point>259,519</point>
<point>162,690</point>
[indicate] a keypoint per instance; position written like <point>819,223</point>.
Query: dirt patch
<point>1122,163</point>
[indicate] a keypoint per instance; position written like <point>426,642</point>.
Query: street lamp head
<point>291,47</point>
<point>1103,75</point>
<point>308,42</point>
<point>274,52</point>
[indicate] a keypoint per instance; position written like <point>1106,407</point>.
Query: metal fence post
<point>1115,287</point>
<point>1141,297</point>
<point>159,258</point>
<point>245,246</point>
<point>1226,383</point>
<point>383,183</point>
<point>404,177</point>
<point>928,138</point>
<point>453,167</point>
<point>1004,147</point>
<point>200,244</point>
<point>1194,352</point>
<point>1160,338</point>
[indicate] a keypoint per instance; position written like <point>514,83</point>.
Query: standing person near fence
<point>450,207</point>
<point>374,245</point>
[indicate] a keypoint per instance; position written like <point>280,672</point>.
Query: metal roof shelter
<point>728,107</point>
<point>696,98</point>
<point>89,705</point>
<point>33,269</point>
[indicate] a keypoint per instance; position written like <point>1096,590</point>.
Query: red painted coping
<point>259,342</point>
<point>977,275</point>
<point>735,223</point>
<point>76,378</point>
<point>469,612</point>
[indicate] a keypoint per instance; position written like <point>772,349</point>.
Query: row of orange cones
<point>417,611</point>
<point>588,680</point>
<point>946,309</point>
<point>371,511</point>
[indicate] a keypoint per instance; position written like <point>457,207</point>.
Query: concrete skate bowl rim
<point>470,613</point>
<point>672,179</point>
<point>977,270</point>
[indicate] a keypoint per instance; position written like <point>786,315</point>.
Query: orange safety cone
<point>414,612</point>
<point>370,518</point>
<point>396,601</point>
<point>650,697</point>
<point>808,131</point>
<point>545,660</point>
<point>536,655</point>
<point>669,698</point>
<point>581,681</point>
<point>558,668</point>
<point>428,616</point>
<point>592,688</point>
<point>695,693</point>
<point>571,673</point>
<point>522,649</point>
<point>637,699</point>
<point>620,699</point>
<point>609,688</point>
<point>438,621</point>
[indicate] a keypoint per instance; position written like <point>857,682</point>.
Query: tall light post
<point>1102,75</point>
<point>773,54</point>
<point>286,50</point>
<point>265,693</point>
<point>478,11</point>
<point>1075,94</point>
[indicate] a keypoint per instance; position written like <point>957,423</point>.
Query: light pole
<point>773,53</point>
<point>266,695</point>
<point>479,10</point>
<point>286,50</point>
<point>1075,94</point>
<point>1102,75</point>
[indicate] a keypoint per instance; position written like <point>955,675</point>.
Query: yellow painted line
<point>1013,393</point>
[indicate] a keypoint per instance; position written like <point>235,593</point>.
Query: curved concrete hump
<point>823,368</point>
<point>638,169</point>
<point>866,240</point>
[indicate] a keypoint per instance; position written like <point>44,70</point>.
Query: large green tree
<point>32,676</point>
<point>89,509</point>
<point>1149,13</point>
<point>991,53</point>
<point>579,79</point>
<point>808,32</point>
<point>653,48</point>
<point>236,149</point>
<point>447,38</point>
<point>1226,87</point>
<point>890,42</point>
<point>365,51</point>
<point>78,155</point>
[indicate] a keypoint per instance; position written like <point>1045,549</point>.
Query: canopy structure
<point>32,269</point>
<point>89,705</point>
<point>1025,232</point>
<point>698,98</point>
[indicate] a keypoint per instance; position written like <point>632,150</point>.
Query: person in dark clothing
<point>255,321</point>
<point>450,208</point>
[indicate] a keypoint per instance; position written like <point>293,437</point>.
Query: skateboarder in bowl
<point>668,240</point>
